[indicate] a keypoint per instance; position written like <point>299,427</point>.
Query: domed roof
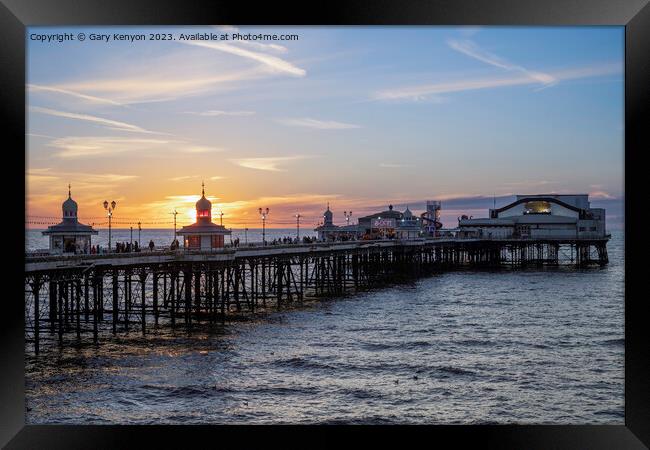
<point>203,202</point>
<point>407,213</point>
<point>69,205</point>
<point>328,213</point>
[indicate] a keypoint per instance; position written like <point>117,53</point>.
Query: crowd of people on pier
<point>120,247</point>
<point>289,240</point>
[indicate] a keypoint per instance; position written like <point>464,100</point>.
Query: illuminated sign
<point>383,223</point>
<point>537,207</point>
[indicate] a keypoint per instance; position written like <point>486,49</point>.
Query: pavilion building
<point>539,216</point>
<point>327,230</point>
<point>69,236</point>
<point>203,234</point>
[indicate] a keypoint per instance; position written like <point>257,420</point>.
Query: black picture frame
<point>15,15</point>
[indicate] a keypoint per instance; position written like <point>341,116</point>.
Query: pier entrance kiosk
<point>69,236</point>
<point>203,234</point>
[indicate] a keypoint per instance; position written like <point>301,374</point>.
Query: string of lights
<point>54,220</point>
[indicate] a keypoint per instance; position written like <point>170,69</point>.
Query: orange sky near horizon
<point>357,117</point>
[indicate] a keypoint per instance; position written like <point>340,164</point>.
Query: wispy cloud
<point>200,149</point>
<point>270,163</point>
<point>270,62</point>
<point>84,146</point>
<point>112,124</point>
<point>164,83</point>
<point>50,182</point>
<point>90,98</point>
<point>44,136</point>
<point>213,113</point>
<point>195,177</point>
<point>471,49</point>
<point>317,124</point>
<point>419,92</point>
<point>601,195</point>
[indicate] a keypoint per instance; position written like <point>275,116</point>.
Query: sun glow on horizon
<point>296,126</point>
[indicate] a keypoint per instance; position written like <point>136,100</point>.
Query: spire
<point>328,206</point>
<point>202,188</point>
<point>69,193</point>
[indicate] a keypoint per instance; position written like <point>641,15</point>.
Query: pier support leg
<point>143,298</point>
<point>155,298</point>
<point>77,284</point>
<point>53,303</point>
<point>36,287</point>
<point>116,304</point>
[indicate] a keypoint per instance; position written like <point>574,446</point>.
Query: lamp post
<point>347,220</point>
<point>109,210</point>
<point>221,218</point>
<point>131,238</point>
<point>246,236</point>
<point>174,214</point>
<point>139,229</point>
<point>298,216</point>
<point>263,213</point>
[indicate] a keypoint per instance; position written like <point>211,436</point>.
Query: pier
<point>76,299</point>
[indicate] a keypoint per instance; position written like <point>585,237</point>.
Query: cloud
<point>191,177</point>
<point>162,82</point>
<point>90,98</point>
<point>270,62</point>
<point>84,146</point>
<point>469,48</point>
<point>200,149</point>
<point>317,124</point>
<point>44,136</point>
<point>213,113</point>
<point>49,187</point>
<point>270,163</point>
<point>423,91</point>
<point>112,124</point>
<point>601,195</point>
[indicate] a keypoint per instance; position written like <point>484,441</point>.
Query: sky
<point>360,117</point>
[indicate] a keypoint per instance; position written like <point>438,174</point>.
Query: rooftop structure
<point>539,216</point>
<point>69,236</point>
<point>385,224</point>
<point>203,234</point>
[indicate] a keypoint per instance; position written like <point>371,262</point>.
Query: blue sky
<point>357,116</point>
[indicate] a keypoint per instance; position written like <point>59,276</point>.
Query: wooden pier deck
<point>78,298</point>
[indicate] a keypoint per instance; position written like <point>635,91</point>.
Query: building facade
<point>540,216</point>
<point>388,224</point>
<point>70,236</point>
<point>203,234</point>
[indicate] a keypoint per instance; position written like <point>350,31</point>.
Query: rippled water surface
<point>461,347</point>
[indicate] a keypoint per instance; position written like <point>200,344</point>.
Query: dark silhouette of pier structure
<point>73,300</point>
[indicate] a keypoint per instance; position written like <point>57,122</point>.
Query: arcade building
<point>388,224</point>
<point>203,234</point>
<point>69,236</point>
<point>542,216</point>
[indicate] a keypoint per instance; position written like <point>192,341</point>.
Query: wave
<point>302,363</point>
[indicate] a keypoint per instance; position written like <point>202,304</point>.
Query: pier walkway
<point>74,298</point>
